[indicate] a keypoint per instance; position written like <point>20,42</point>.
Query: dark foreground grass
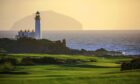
<point>104,71</point>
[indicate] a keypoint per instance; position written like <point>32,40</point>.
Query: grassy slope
<point>104,71</point>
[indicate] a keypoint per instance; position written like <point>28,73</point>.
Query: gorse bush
<point>133,64</point>
<point>6,67</point>
<point>27,61</point>
<point>38,60</point>
<point>47,60</point>
<point>7,64</point>
<point>13,61</point>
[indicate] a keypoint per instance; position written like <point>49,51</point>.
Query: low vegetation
<point>134,64</point>
<point>67,69</point>
<point>6,67</point>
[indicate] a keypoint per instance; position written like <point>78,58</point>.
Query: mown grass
<point>105,71</point>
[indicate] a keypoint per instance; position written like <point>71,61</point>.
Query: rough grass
<point>84,58</point>
<point>104,71</point>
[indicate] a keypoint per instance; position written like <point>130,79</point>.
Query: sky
<point>92,14</point>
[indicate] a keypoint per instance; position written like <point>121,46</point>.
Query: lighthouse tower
<point>37,26</point>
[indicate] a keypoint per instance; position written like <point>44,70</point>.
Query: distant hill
<point>50,20</point>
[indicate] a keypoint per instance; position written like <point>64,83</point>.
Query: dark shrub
<point>134,64</point>
<point>6,67</point>
<point>51,60</point>
<point>40,60</point>
<point>125,66</point>
<point>93,60</point>
<point>27,61</point>
<point>47,60</point>
<point>136,60</point>
<point>8,59</point>
<point>71,61</point>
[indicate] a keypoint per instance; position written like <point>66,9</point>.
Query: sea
<point>126,41</point>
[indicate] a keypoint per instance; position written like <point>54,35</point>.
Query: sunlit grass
<point>105,71</point>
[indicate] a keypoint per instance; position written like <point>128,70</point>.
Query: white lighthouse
<point>31,34</point>
<point>37,26</point>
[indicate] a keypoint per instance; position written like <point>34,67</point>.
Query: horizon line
<point>82,30</point>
